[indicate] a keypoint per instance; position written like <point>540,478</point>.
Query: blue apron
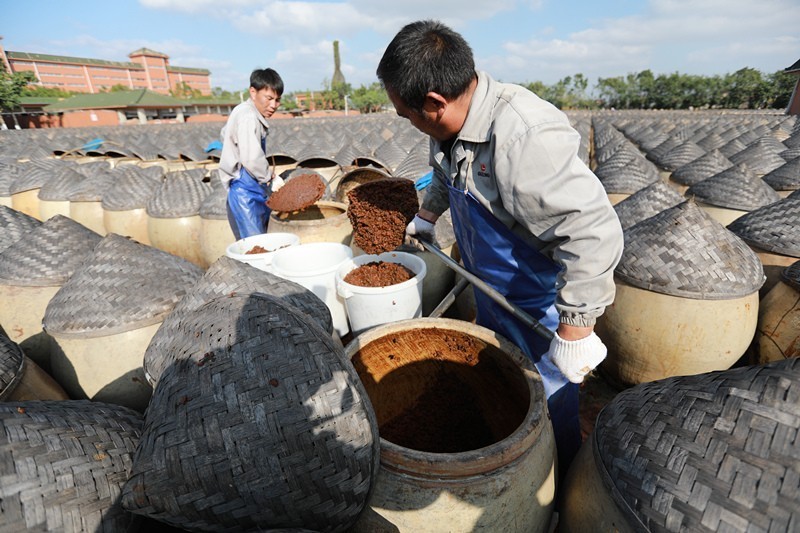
<point>526,278</point>
<point>248,213</point>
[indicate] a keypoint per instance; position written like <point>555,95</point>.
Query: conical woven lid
<point>390,154</point>
<point>732,147</point>
<point>257,383</point>
<point>416,164</point>
<point>60,186</point>
<point>215,204</point>
<point>683,251</point>
<point>791,275</point>
<point>775,227</point>
<point>47,255</point>
<point>228,276</point>
<point>130,190</point>
<point>734,188</point>
<point>122,286</point>
<point>786,177</point>
<point>645,203</point>
<point>710,142</point>
<point>701,168</point>
<point>14,225</point>
<point>710,452</point>
<point>32,177</point>
<point>9,172</point>
<point>762,156</point>
<point>617,161</point>
<point>64,465</point>
<point>680,155</point>
<point>12,361</point>
<point>634,176</point>
<point>180,195</point>
<point>92,188</point>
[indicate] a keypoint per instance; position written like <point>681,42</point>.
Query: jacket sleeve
<point>251,154</point>
<point>553,194</point>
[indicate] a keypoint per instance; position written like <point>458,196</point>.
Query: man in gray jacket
<point>530,218</point>
<point>243,166</point>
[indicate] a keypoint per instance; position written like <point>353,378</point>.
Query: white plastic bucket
<point>368,307</point>
<point>269,241</point>
<point>314,265</point>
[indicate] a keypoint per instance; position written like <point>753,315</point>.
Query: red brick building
<point>147,69</point>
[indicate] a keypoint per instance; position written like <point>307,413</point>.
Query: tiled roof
<point>188,70</point>
<point>23,56</point>
<point>147,52</point>
<point>141,98</point>
<point>793,68</point>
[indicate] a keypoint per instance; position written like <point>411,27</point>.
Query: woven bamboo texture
<point>9,172</point>
<point>32,177</point>
<point>60,186</point>
<point>775,227</point>
<point>215,204</point>
<point>680,155</point>
<point>791,275</point>
<point>631,176</point>
<point>786,177</point>
<point>124,285</point>
<point>646,203</point>
<point>682,251</point>
<point>131,190</point>
<point>48,254</point>
<point>92,188</point>
<point>706,453</point>
<point>701,168</point>
<point>224,277</point>
<point>261,423</point>
<point>762,156</point>
<point>63,464</point>
<point>12,362</point>
<point>14,225</point>
<point>180,195</point>
<point>735,188</point>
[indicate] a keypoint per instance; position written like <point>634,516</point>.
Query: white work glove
<point>419,228</point>
<point>276,183</point>
<point>577,358</point>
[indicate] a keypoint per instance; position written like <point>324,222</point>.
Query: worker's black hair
<point>266,78</point>
<point>426,56</point>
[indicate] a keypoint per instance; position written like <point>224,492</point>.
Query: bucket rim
<point>351,264</point>
<point>280,255</point>
<point>230,250</point>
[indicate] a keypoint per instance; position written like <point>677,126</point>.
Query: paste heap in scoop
<point>298,193</point>
<point>379,212</point>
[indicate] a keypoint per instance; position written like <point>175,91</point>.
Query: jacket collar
<point>477,125</point>
<point>261,118</point>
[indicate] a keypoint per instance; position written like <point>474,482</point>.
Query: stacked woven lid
<point>59,187</point>
<point>14,225</point>
<point>64,464</point>
<point>680,155</point>
<point>735,188</point>
<point>260,423</point>
<point>48,254</point>
<point>712,452</point>
<point>684,252</point>
<point>775,227</point>
<point>791,275</point>
<point>786,177</point>
<point>122,286</point>
<point>703,167</point>
<point>180,195</point>
<point>132,188</point>
<point>762,155</point>
<point>224,277</point>
<point>645,203</point>
<point>33,176</point>
<point>93,187</point>
<point>215,204</point>
<point>12,362</point>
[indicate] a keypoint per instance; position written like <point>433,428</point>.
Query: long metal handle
<point>490,291</point>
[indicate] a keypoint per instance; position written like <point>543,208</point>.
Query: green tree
<point>12,86</point>
<point>184,91</point>
<point>746,88</point>
<point>781,86</point>
<point>369,99</point>
<point>45,92</point>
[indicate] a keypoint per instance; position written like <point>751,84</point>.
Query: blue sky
<point>516,41</point>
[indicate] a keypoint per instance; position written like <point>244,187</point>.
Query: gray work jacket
<point>517,154</point>
<point>242,138</point>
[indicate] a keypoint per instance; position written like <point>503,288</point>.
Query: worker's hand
<point>276,183</point>
<point>577,358</point>
<point>419,228</point>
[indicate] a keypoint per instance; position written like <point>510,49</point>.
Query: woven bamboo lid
<point>684,153</point>
<point>762,156</point>
<point>713,452</point>
<point>786,177</point>
<point>180,195</point>
<point>64,464</point>
<point>390,154</point>
<point>215,204</point>
<point>261,414</point>
<point>228,276</point>
<point>124,285</point>
<point>48,254</point>
<point>14,225</point>
<point>12,362</point>
<point>9,172</point>
<point>416,164</point>
<point>701,168</point>
<point>684,252</point>
<point>92,188</point>
<point>646,202</point>
<point>735,188</point>
<point>59,187</point>
<point>31,177</point>
<point>634,176</point>
<point>791,275</point>
<point>130,190</point>
<point>775,227</point>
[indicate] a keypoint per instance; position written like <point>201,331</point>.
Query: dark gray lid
<point>215,204</point>
<point>775,227</point>
<point>12,362</point>
<point>684,252</point>
<point>93,187</point>
<point>48,254</point>
<point>646,202</point>
<point>9,172</point>
<point>130,190</point>
<point>701,168</point>
<point>228,276</point>
<point>635,175</point>
<point>61,185</point>
<point>762,156</point>
<point>180,195</point>
<point>709,452</point>
<point>31,177</point>
<point>255,383</point>
<point>684,153</point>
<point>734,188</point>
<point>791,275</point>
<point>390,154</point>
<point>416,164</point>
<point>14,225</point>
<point>124,285</point>
<point>786,177</point>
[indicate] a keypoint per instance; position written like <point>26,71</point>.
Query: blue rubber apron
<point>526,278</point>
<point>248,213</point>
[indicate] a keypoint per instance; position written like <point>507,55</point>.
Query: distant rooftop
<point>141,98</point>
<point>27,56</point>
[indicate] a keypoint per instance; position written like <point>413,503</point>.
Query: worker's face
<point>427,121</point>
<point>266,100</point>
